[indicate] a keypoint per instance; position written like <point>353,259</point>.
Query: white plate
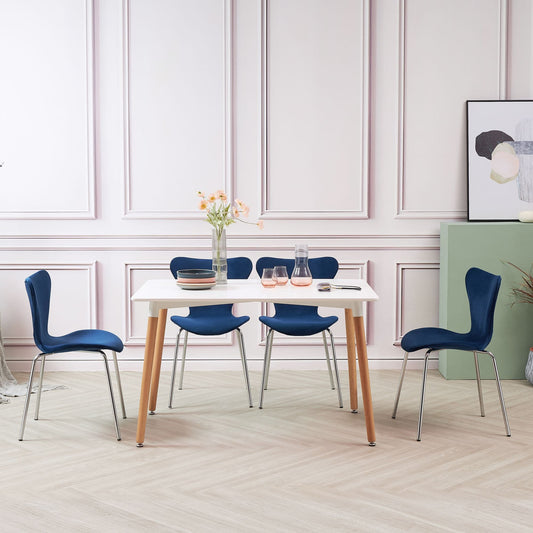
<point>196,286</point>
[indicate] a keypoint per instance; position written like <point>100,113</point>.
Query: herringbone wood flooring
<point>299,465</point>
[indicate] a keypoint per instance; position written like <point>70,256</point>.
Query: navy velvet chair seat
<point>38,287</point>
<point>210,319</point>
<point>300,320</point>
<point>482,290</point>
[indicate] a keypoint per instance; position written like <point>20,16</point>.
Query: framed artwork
<point>500,158</point>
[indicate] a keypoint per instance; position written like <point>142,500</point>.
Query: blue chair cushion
<point>296,326</point>
<point>83,340</point>
<point>438,339</point>
<point>214,325</point>
<point>211,319</point>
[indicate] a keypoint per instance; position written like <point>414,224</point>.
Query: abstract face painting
<point>500,159</point>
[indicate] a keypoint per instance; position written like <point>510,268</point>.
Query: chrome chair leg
<point>404,365</point>
<point>173,378</point>
<point>420,415</point>
<point>339,393</point>
<point>244,365</point>
<point>117,429</point>
<point>500,394</point>
<point>479,390</point>
<point>28,394</point>
<point>40,390</point>
<point>183,354</point>
<point>332,384</point>
<point>269,358</point>
<point>119,384</point>
<point>266,365</point>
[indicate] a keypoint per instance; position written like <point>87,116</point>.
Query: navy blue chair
<point>300,320</point>
<point>38,287</point>
<point>210,319</point>
<point>482,290</point>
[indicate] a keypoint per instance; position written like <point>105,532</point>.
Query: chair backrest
<point>238,267</point>
<point>320,267</point>
<point>38,287</point>
<point>482,289</point>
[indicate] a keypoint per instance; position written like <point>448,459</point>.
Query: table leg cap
<point>371,443</point>
<point>140,445</point>
<point>355,411</point>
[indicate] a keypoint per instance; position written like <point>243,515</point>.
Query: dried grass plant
<point>523,294</point>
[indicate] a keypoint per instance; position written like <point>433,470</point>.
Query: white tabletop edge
<point>166,294</point>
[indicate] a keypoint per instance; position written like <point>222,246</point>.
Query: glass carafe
<point>301,275</point>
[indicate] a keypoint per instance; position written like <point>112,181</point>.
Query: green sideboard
<point>487,245</point>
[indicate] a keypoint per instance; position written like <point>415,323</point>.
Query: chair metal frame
<point>268,354</point>
<point>42,356</point>
<point>270,338</point>
<point>479,388</point>
<point>197,262</point>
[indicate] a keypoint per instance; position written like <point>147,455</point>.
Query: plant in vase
<point>523,294</point>
<point>221,212</point>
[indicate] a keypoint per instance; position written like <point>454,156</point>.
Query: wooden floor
<point>299,465</point>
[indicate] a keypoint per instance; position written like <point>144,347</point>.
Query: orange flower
<point>203,204</point>
<point>260,224</point>
<point>242,207</point>
<point>221,195</point>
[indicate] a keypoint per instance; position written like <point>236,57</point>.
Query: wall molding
<point>229,121</point>
<point>170,335</point>
<point>503,70</point>
<point>360,212</point>
<point>400,290</point>
<point>50,267</point>
<point>90,212</point>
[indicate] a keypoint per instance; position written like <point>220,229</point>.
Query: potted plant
<point>523,294</point>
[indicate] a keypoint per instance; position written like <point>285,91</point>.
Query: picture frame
<point>499,159</point>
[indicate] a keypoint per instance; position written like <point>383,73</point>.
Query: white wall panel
<point>72,303</point>
<point>449,52</point>
<point>46,126</point>
<point>417,284</point>
<point>178,108</point>
<point>315,103</point>
<point>340,122</point>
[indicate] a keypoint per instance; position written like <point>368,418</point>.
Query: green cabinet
<point>487,245</point>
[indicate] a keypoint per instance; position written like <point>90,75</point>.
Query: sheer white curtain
<point>8,384</point>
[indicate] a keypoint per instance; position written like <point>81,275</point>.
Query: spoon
<point>325,287</point>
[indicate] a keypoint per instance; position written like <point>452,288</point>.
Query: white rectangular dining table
<point>162,295</point>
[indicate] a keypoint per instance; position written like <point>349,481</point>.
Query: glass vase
<point>220,255</point>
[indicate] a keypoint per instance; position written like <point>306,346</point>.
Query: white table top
<point>165,293</point>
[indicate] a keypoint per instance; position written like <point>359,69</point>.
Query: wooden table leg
<point>352,363</point>
<point>146,377</point>
<point>360,340</point>
<point>158,354</point>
